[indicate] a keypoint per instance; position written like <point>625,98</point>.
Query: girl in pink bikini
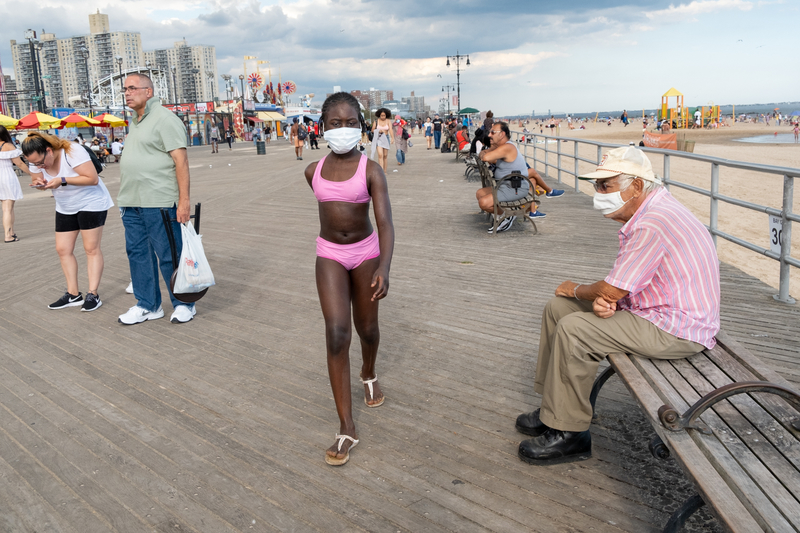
<point>352,259</point>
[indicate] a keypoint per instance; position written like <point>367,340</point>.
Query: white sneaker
<point>129,288</point>
<point>182,313</point>
<point>138,314</point>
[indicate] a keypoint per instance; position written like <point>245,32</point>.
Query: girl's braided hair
<point>339,98</point>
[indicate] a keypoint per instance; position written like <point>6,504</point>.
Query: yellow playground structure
<point>682,117</point>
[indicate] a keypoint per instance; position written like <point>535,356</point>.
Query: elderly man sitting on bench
<point>661,300</point>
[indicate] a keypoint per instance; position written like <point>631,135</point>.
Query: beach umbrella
<point>795,114</point>
<point>8,122</point>
<point>107,120</point>
<point>74,120</point>
<point>468,111</point>
<point>38,121</point>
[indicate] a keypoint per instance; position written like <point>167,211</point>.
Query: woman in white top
<point>82,203</point>
<point>10,191</point>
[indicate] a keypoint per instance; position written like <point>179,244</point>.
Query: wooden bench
<point>519,208</point>
<point>731,423</point>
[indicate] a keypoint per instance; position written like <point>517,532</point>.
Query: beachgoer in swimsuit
<point>352,259</point>
<point>383,136</point>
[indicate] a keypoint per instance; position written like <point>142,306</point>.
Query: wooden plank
<point>762,461</point>
<point>731,458</point>
<point>710,484</point>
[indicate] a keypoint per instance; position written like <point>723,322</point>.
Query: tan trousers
<point>574,341</point>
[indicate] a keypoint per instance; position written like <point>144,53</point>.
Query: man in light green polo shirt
<point>154,175</point>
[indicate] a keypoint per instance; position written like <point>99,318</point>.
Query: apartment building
<point>68,68</point>
<point>192,71</point>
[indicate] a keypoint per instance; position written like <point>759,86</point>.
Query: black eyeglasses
<point>40,164</point>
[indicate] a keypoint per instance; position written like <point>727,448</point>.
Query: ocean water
<point>781,138</point>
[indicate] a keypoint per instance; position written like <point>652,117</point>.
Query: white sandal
<point>369,383</point>
<point>339,462</point>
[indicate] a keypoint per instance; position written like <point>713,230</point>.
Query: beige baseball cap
<point>624,160</point>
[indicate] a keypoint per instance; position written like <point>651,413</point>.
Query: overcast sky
<point>525,55</point>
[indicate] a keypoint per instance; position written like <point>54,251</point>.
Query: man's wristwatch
<point>63,181</point>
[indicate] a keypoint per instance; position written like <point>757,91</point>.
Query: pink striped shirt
<point>668,263</point>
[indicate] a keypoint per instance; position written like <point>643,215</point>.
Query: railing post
<point>534,152</point>
<point>575,157</point>
<point>599,154</point>
<point>666,172</point>
<point>786,241</point>
<point>558,159</point>
<point>712,216</point>
<point>546,152</point>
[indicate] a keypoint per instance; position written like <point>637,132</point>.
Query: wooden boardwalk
<point>220,425</point>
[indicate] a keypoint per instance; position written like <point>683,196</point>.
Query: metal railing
<point>785,213</point>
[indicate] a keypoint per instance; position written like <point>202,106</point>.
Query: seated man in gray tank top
<point>507,158</point>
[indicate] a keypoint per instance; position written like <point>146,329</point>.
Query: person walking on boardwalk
<point>10,191</point>
<point>154,175</point>
<point>352,259</point>
<point>428,132</point>
<point>661,300</point>
<point>298,142</point>
<point>82,204</point>
<point>382,136</point>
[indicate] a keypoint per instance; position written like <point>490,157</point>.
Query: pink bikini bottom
<point>350,256</point>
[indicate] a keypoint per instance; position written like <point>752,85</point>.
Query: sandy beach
<point>763,189</point>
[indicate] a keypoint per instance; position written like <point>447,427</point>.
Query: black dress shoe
<point>555,446</point>
<point>529,424</point>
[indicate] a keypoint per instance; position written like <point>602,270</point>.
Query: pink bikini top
<point>353,191</point>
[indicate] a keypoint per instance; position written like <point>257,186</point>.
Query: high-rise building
<point>192,71</point>
<point>373,98</point>
<point>67,76</point>
<point>416,105</point>
<point>66,73</point>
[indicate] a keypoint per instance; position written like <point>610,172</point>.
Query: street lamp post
<point>457,58</point>
<point>195,72</point>
<point>227,78</point>
<point>174,86</point>
<point>122,90</point>
<point>33,43</point>
<point>448,88</point>
<point>241,80</point>
<point>85,54</point>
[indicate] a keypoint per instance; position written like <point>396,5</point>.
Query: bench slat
<point>765,465</point>
<point>732,459</point>
<point>731,512</point>
<point>764,427</point>
<point>777,406</point>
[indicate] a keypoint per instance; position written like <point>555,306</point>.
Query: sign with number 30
<point>775,233</point>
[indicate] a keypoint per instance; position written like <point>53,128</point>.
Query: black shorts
<point>80,220</point>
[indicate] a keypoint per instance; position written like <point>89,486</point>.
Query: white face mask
<point>609,202</point>
<point>342,140</point>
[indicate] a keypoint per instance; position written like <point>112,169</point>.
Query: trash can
<point>261,148</point>
<point>688,146</point>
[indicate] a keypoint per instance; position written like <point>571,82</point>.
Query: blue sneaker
<point>537,215</point>
<point>555,193</point>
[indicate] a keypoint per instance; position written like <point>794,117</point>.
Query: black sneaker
<point>68,300</point>
<point>92,302</point>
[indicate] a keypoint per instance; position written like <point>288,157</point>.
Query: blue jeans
<point>401,156</point>
<point>148,249</point>
<point>437,138</point>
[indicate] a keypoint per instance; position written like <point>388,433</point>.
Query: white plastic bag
<point>194,272</point>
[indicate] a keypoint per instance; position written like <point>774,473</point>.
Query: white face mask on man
<point>608,203</point>
<point>342,140</point>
